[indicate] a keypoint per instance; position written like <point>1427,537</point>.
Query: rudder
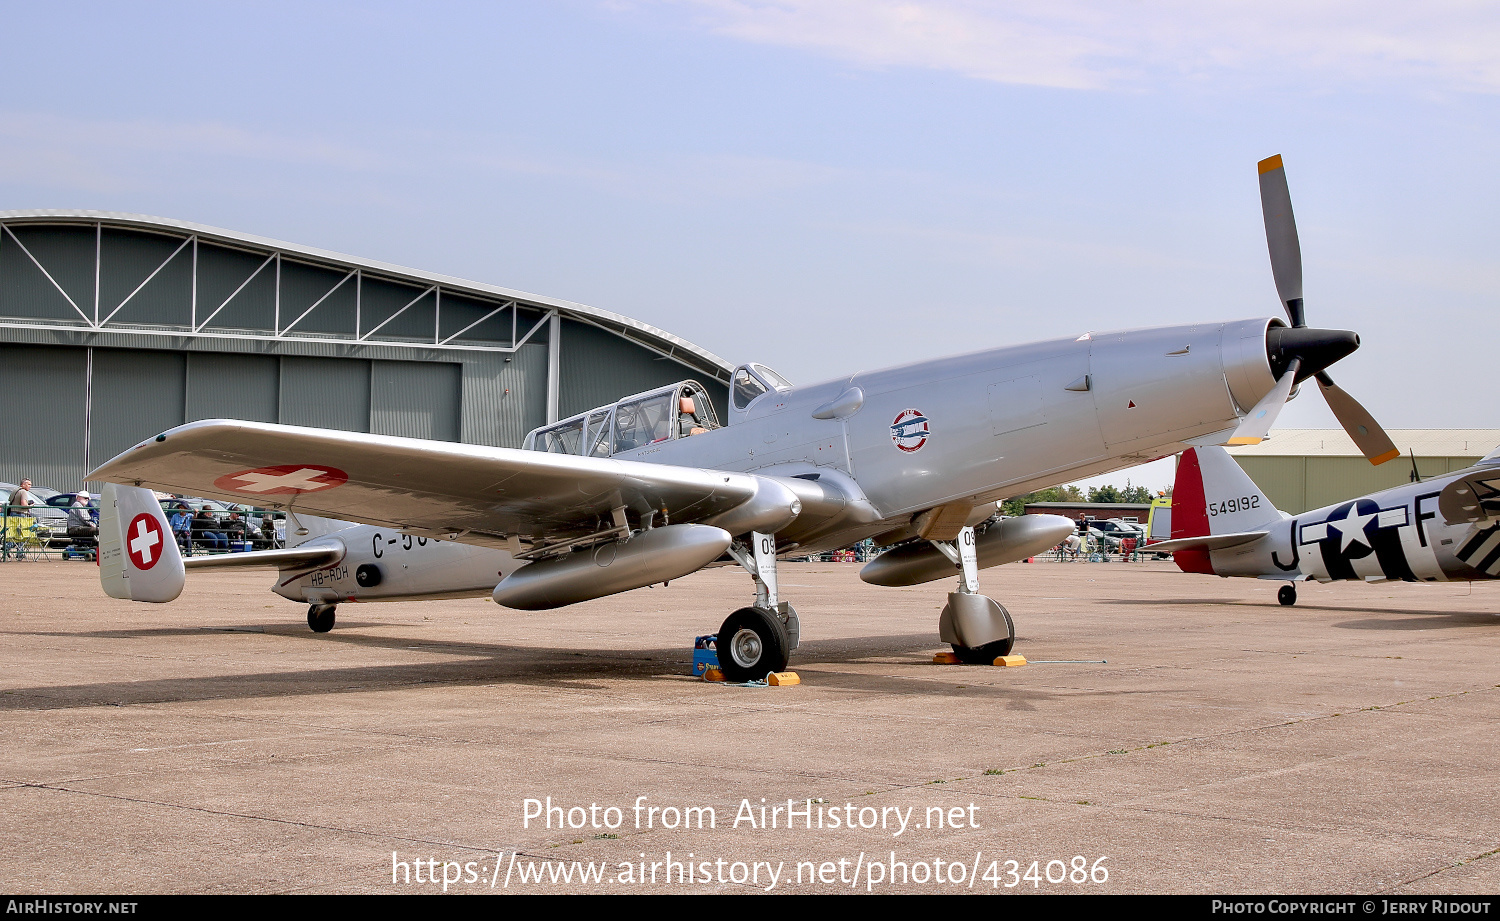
<point>1213,495</point>
<point>138,556</point>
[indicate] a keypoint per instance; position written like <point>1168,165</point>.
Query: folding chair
<point>23,538</point>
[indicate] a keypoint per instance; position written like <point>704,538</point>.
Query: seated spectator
<point>269,539</point>
<point>83,521</point>
<point>236,528</point>
<point>182,527</point>
<point>207,533</point>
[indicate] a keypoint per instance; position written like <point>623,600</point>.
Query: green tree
<point>1017,505</point>
<point>1104,494</point>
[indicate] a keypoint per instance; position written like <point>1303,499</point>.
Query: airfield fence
<point>26,536</point>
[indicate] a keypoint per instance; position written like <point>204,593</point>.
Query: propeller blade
<point>1257,425</point>
<point>1368,436</point>
<point>1281,237</point>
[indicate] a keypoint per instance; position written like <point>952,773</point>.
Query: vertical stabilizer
<point>1213,495</point>
<point>301,527</point>
<point>138,556</point>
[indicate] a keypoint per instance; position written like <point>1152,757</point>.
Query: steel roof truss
<point>511,305</point>
<point>430,289</point>
<point>326,296</point>
<point>143,284</point>
<point>46,273</point>
<point>231,297</point>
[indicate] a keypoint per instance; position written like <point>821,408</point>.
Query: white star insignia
<point>1352,527</point>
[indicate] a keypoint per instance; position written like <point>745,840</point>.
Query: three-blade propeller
<point>1303,354</point>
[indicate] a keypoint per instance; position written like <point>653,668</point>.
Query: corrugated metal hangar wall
<point>116,327</point>
<point>1303,469</point>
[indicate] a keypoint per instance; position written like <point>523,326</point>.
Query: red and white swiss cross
<point>144,541</point>
<point>287,479</point>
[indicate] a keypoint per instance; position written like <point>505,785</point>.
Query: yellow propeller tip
<point>1270,163</point>
<point>1390,455</point>
<point>1244,441</point>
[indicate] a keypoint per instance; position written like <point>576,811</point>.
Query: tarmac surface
<point>1225,744</point>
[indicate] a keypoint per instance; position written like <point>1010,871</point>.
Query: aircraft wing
<point>468,493</point>
<point>1206,542</point>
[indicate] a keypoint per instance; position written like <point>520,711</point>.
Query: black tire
<point>983,655</point>
<point>320,617</point>
<point>752,643</point>
<point>367,575</point>
<point>1287,595</point>
<point>989,652</point>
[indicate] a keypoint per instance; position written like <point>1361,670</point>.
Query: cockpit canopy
<point>679,411</point>
<point>752,381</point>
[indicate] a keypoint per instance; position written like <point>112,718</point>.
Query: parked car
<point>64,500</point>
<point>1112,532</point>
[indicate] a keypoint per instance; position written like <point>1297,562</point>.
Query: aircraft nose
<point>1318,348</point>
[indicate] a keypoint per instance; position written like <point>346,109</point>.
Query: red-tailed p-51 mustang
<point>654,487</point>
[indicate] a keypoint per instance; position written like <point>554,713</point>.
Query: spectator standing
<point>22,500</point>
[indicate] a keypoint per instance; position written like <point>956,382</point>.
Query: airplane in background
<point>1442,530</point>
<point>653,487</point>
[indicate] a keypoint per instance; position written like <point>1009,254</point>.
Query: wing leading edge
<point>474,494</point>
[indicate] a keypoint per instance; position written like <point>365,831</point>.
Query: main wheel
<point>1287,595</point>
<point>320,617</point>
<point>989,652</point>
<point>752,644</point>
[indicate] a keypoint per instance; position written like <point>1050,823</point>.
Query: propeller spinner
<point>1302,352</point>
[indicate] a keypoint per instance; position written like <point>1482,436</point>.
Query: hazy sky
<point>822,185</point>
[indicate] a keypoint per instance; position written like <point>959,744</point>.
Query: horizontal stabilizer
<point>1208,542</point>
<point>316,556</point>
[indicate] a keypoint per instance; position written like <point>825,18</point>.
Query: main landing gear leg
<point>978,627</point>
<point>320,617</point>
<point>755,641</point>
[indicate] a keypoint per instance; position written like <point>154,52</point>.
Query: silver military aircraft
<point>1441,530</point>
<point>654,486</point>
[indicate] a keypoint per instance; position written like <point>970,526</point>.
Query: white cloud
<point>107,137</point>
<point>1443,45</point>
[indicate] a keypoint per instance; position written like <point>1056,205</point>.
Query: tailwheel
<point>1287,595</point>
<point>320,617</point>
<point>752,643</point>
